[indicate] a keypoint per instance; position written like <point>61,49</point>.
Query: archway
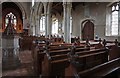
<point>11,7</point>
<point>87,30</point>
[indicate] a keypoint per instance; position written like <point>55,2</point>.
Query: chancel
<point>61,39</point>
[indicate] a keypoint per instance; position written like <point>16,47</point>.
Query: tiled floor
<point>26,67</point>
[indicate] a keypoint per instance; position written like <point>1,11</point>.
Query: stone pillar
<point>119,23</point>
<point>30,28</point>
<point>66,21</point>
<point>34,25</point>
<point>49,19</point>
<point>45,13</point>
<point>37,28</point>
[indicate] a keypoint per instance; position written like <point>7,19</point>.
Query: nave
<point>48,58</point>
<point>60,39</point>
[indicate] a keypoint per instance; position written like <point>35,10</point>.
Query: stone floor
<point>25,69</point>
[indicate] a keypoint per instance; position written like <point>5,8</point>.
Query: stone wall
<point>97,12</point>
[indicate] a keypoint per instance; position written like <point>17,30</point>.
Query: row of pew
<point>27,41</point>
<point>105,64</point>
<point>79,61</point>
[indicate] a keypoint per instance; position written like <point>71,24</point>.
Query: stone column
<point>119,23</point>
<point>66,21</point>
<point>34,26</point>
<point>45,13</point>
<point>49,20</point>
<point>37,26</point>
<point>30,28</point>
<point>35,29</point>
<point>31,31</point>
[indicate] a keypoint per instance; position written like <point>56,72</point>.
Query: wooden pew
<point>104,70</point>
<point>114,48</point>
<point>93,44</point>
<point>27,41</point>
<point>56,61</point>
<point>86,59</point>
<point>54,65</point>
<point>38,56</point>
<point>37,60</point>
<point>90,73</point>
<point>114,52</point>
<point>54,50</point>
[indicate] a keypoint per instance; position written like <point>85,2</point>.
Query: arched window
<point>55,26</point>
<point>71,25</point>
<point>114,19</point>
<point>42,25</point>
<point>33,2</point>
<point>13,19</point>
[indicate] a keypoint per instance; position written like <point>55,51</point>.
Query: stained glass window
<point>13,19</point>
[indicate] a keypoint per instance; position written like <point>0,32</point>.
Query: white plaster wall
<point>77,16</point>
<point>97,11</point>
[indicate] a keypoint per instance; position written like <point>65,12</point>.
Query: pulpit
<point>10,47</point>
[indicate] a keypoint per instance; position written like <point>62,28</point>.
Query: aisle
<point>26,67</point>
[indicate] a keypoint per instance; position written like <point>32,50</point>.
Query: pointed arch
<point>19,5</point>
<point>8,7</point>
<point>22,9</point>
<point>40,8</point>
<point>87,27</point>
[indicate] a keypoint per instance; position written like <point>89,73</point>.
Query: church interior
<point>60,39</point>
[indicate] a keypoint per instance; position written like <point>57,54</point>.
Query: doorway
<point>87,30</point>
